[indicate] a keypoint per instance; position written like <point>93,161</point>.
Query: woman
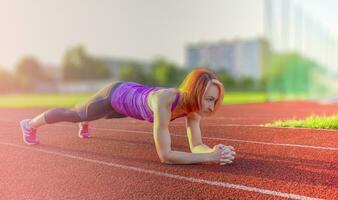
<point>200,94</point>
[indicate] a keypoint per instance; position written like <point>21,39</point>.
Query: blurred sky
<point>131,28</point>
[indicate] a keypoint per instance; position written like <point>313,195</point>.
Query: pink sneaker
<point>28,134</point>
<point>84,130</point>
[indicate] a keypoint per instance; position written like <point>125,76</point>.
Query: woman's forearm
<point>202,148</point>
<point>180,157</point>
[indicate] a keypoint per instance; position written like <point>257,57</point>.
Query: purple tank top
<point>130,99</point>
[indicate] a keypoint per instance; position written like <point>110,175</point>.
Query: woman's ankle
<point>32,124</point>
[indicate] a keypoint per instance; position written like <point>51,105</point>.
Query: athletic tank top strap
<point>173,106</point>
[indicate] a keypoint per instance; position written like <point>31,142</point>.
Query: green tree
<point>133,72</point>
<point>227,80</point>
<point>166,73</point>
<point>29,73</point>
<point>79,65</point>
<point>246,84</point>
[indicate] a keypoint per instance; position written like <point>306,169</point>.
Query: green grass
<point>40,100</point>
<point>324,122</point>
<point>244,97</point>
<point>69,100</point>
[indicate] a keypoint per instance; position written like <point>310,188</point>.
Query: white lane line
<point>238,125</point>
<point>207,124</point>
<point>275,144</point>
<point>224,139</point>
<point>227,139</point>
<point>302,128</point>
<point>174,176</point>
<point>276,127</point>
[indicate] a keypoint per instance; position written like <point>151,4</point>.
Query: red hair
<point>194,87</point>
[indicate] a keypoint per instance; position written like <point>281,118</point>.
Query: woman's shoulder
<point>165,92</point>
<point>165,95</point>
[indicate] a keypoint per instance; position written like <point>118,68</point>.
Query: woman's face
<point>209,99</point>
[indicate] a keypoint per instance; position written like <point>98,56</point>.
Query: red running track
<point>120,161</point>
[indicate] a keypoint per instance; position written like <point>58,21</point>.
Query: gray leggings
<point>96,107</point>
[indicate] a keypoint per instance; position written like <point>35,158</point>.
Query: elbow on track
<point>166,160</point>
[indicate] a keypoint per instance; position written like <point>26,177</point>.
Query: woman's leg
<point>55,115</point>
<point>29,127</point>
<point>96,107</point>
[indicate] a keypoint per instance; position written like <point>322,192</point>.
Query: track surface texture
<point>119,161</point>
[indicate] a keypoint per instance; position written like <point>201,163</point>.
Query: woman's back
<point>130,99</point>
